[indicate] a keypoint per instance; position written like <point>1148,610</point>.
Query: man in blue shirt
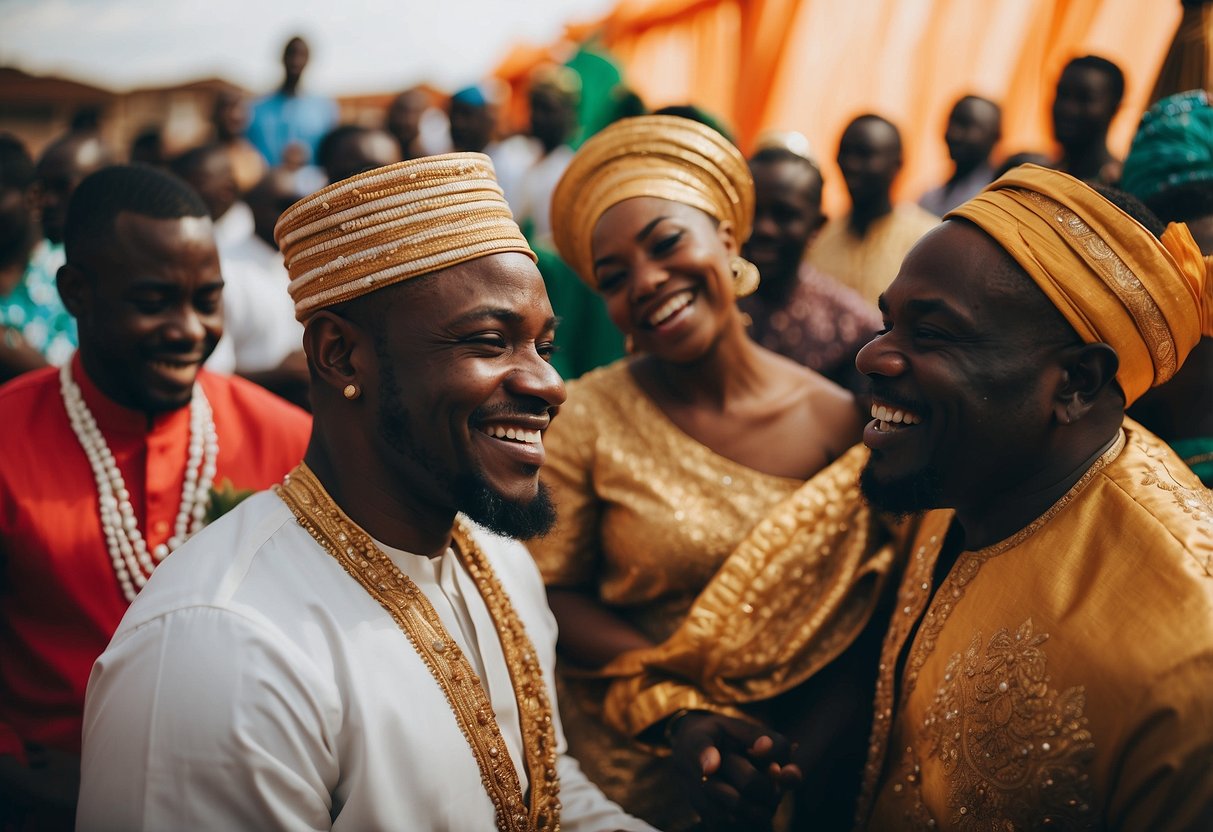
<point>287,117</point>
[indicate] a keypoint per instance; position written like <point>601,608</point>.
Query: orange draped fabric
<point>812,65</point>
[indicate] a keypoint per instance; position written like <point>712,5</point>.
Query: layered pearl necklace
<point>128,550</point>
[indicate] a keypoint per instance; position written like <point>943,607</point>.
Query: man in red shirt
<point>109,463</point>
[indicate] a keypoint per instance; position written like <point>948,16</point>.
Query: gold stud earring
<point>745,276</point>
<point>350,391</point>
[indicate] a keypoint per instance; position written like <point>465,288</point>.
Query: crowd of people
<point>591,477</point>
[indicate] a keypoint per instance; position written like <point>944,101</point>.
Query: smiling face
<point>962,376</point>
<point>149,309</point>
<point>787,214</point>
<point>466,390</point>
<point>663,269</point>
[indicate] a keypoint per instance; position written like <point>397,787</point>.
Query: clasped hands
<point>736,771</point>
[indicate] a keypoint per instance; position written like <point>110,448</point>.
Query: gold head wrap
<point>1114,281</point>
<point>661,156</point>
<point>392,223</point>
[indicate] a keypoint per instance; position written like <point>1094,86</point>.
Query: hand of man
<point>736,771</point>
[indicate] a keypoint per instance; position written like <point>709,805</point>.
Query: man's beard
<point>903,496</point>
<point>521,520</point>
<point>472,494</point>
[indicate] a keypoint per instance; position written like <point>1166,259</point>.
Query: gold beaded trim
<point>357,553</point>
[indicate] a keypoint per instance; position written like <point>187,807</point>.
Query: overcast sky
<point>357,45</point>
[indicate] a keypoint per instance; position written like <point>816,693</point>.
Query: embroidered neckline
<point>365,562</point>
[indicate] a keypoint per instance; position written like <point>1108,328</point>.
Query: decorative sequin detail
<point>1015,751</point>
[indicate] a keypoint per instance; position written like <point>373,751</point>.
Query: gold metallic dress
<point>647,517</point>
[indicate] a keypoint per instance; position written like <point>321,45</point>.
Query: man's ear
<point>728,236</point>
<point>75,290</point>
<point>1088,373</point>
<point>338,351</point>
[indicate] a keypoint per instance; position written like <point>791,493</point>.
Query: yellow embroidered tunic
<point>646,517</point>
<point>1064,677</point>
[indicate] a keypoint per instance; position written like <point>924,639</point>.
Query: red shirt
<point>60,600</point>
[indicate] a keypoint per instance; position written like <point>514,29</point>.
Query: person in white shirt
<point>365,646</point>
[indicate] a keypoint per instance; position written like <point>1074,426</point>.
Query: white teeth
<point>669,308</point>
<point>531,437</point>
<point>888,415</point>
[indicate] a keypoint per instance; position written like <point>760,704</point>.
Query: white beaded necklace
<point>128,550</point>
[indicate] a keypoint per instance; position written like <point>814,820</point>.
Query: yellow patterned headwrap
<point>660,156</point>
<point>392,223</point>
<point>1113,280</point>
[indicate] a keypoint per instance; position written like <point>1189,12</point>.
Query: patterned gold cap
<point>392,223</point>
<point>660,156</point>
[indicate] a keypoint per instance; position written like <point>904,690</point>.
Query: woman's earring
<point>629,345</point>
<point>745,276</point>
<point>351,391</point>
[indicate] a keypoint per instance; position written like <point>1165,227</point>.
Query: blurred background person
<point>554,94</point>
<point>864,247</point>
<point>1089,92</point>
<point>25,323</point>
<point>209,171</point>
<point>974,127</point>
<point>289,115</point>
<point>403,120</point>
<point>352,148</point>
<point>147,148</point>
<point>797,310</point>
<point>229,121</point>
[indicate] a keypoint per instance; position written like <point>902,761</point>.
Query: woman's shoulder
<point>829,407</point>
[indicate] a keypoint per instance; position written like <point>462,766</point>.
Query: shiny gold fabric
<point>1111,278</point>
<point>1061,678</point>
<point>659,156</point>
<point>646,517</point>
<point>392,223</point>
<point>792,596</point>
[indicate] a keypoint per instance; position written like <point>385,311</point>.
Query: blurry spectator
<point>554,94</point>
<point>289,116</point>
<point>36,327</point>
<point>208,169</point>
<point>351,149</point>
<point>797,310</point>
<point>473,119</point>
<point>87,119</point>
<point>230,119</point>
<point>18,234</point>
<point>308,177</point>
<point>864,247</point>
<point>260,326</point>
<point>1088,96</point>
<point>1017,159</point>
<point>404,120</point>
<point>974,127</point>
<point>147,148</point>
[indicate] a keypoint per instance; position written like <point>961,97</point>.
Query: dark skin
<point>215,181</point>
<point>294,61</point>
<point>869,155</point>
<point>18,211</point>
<point>150,292</point>
<point>404,120</point>
<point>230,117</point>
<point>148,305</point>
<point>787,216</point>
<point>469,349</point>
<point>553,116</point>
<point>716,385</point>
<point>974,127</point>
<point>471,125</point>
<point>362,151</point>
<point>1083,110</point>
<point>63,166</point>
<point>1012,410</point>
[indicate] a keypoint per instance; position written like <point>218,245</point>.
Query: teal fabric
<point>1173,145</point>
<point>1198,455</point>
<point>585,337</point>
<point>33,309</point>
